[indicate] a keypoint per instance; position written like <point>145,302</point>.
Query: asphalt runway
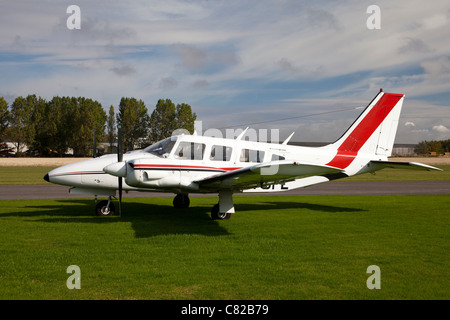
<point>49,191</point>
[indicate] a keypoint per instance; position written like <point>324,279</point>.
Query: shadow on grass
<point>271,205</point>
<point>149,219</point>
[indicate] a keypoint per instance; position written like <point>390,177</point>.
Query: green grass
<point>34,175</point>
<point>23,175</point>
<point>279,247</point>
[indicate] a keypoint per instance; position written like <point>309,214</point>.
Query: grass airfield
<point>275,247</point>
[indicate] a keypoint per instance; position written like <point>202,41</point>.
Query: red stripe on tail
<point>348,150</point>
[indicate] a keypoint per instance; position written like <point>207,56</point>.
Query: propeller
<point>94,145</point>
<point>120,159</point>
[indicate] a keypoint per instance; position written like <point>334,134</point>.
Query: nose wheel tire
<point>103,210</point>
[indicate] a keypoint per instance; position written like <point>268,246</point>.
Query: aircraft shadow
<point>295,205</point>
<point>149,220</point>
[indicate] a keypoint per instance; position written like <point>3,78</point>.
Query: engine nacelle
<point>145,173</point>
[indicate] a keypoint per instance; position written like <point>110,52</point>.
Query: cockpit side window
<point>190,151</point>
<point>162,148</point>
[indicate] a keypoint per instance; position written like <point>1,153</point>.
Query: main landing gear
<point>181,201</point>
<point>220,211</point>
<point>217,215</point>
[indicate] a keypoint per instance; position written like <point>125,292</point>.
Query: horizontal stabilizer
<point>403,165</point>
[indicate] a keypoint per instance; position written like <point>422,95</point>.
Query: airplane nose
<point>46,178</point>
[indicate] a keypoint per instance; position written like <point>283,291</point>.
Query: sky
<point>303,66</point>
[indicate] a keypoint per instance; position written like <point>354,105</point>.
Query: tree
<point>162,120</point>
<point>425,147</point>
<point>421,148</point>
<point>134,120</point>
<point>446,145</point>
<point>62,111</point>
<point>43,126</point>
<point>184,118</point>
<point>88,117</point>
<point>22,127</point>
<point>166,118</point>
<point>4,116</point>
<point>111,128</point>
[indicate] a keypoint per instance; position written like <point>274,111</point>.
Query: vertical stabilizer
<point>372,133</point>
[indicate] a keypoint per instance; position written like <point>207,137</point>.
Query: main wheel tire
<point>181,201</point>
<point>102,209</point>
<point>216,215</point>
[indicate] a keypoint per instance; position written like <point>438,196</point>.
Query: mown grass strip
<point>278,247</point>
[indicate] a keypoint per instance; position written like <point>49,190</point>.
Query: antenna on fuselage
<point>239,137</point>
<point>288,138</point>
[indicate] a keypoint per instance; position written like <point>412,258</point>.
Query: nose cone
<point>46,178</point>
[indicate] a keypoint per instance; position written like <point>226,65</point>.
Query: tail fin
<point>372,133</point>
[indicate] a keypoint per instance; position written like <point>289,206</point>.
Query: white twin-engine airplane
<point>187,164</point>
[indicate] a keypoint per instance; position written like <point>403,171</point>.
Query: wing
<point>264,174</point>
<point>402,165</point>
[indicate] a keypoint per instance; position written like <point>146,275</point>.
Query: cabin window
<point>248,155</point>
<point>276,157</point>
<point>220,153</point>
<point>190,151</point>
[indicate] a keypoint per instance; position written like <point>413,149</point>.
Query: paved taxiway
<point>17,192</point>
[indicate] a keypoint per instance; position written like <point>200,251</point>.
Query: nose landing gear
<point>105,208</point>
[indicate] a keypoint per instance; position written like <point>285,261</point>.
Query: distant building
<point>404,149</point>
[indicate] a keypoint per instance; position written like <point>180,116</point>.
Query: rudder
<point>373,132</point>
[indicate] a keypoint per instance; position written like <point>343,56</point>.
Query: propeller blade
<point>119,144</point>
<point>120,159</point>
<point>94,146</point>
<point>120,196</point>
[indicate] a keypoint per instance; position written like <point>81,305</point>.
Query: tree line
<point>426,147</point>
<point>52,127</point>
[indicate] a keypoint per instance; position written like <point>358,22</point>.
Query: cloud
<point>167,83</point>
<point>287,66</point>
<point>437,67</point>
<point>124,70</point>
<point>205,60</point>
<point>322,19</point>
<point>409,124</point>
<point>434,22</point>
<point>252,54</point>
<point>441,129</point>
<point>414,45</point>
<point>200,84</point>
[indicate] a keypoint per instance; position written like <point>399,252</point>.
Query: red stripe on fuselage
<point>175,166</point>
<point>348,150</point>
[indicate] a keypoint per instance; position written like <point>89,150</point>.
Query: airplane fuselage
<point>185,164</point>
<point>193,158</point>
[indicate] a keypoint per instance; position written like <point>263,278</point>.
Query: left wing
<point>264,174</point>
